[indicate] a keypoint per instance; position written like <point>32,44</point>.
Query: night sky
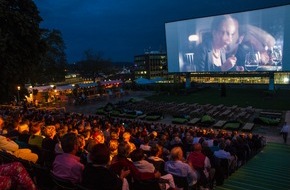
<point>121,29</point>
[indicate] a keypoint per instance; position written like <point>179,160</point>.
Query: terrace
<point>240,110</point>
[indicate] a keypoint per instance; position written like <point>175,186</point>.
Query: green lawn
<point>257,98</point>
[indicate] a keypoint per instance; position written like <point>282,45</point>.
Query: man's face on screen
<point>226,33</point>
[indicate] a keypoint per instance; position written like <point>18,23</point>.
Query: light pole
<point>18,96</point>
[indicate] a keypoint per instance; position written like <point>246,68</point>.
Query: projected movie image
<point>244,42</point>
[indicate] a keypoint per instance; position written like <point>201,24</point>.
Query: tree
<point>94,63</point>
<point>53,63</point>
<point>21,46</point>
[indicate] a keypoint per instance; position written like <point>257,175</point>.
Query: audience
<point>156,158</point>
<point>96,138</point>
<point>12,147</point>
<point>67,165</point>
<point>126,139</point>
<point>143,165</point>
<point>71,138</point>
<point>48,146</point>
<point>201,163</point>
<point>208,153</point>
<point>221,153</point>
<point>153,138</point>
<point>82,152</point>
<point>36,137</point>
<point>98,175</point>
<point>113,146</point>
<point>177,167</point>
<point>121,161</point>
<point>145,145</point>
<point>2,126</point>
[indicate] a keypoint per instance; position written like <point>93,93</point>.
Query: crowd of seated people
<point>71,144</point>
<point>139,160</point>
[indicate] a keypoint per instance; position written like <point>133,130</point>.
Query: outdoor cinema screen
<point>257,40</point>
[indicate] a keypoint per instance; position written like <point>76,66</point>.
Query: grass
<point>232,126</point>
<point>152,118</point>
<point>242,97</point>
<point>179,120</point>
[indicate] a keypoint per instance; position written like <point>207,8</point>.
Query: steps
<point>268,170</point>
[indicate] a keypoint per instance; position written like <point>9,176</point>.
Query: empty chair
<point>6,157</point>
<point>62,184</point>
<point>222,170</point>
<point>42,177</point>
<point>146,184</point>
<point>180,182</point>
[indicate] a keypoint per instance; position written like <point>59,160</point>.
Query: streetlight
<point>18,89</point>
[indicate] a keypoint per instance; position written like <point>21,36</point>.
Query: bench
<point>271,113</point>
<point>226,112</point>
<point>248,127</point>
<point>219,124</point>
<point>234,107</point>
<point>193,121</point>
<point>220,106</point>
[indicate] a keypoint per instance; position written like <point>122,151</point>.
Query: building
<point>151,65</point>
<point>279,78</point>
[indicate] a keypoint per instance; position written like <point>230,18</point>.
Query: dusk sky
<point>122,29</point>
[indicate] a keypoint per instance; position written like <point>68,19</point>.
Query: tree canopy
<point>92,64</point>
<point>21,46</point>
<point>28,53</point>
<point>53,64</point>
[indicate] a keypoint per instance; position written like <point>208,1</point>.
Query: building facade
<point>151,65</point>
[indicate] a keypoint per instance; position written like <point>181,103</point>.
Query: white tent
<point>87,85</point>
<point>65,87</point>
<point>144,81</point>
<point>42,88</point>
<point>49,87</point>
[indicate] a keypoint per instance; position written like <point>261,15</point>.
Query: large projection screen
<point>257,40</point>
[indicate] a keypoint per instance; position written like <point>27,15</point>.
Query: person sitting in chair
<point>138,158</point>
<point>67,165</point>
<point>177,167</point>
<point>98,175</point>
